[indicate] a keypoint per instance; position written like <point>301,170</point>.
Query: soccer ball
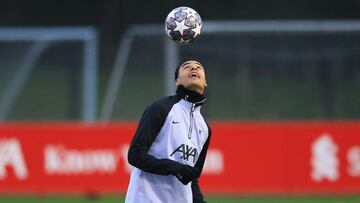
<point>183,25</point>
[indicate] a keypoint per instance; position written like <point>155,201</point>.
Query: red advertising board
<point>64,157</point>
<point>291,157</point>
<point>244,157</point>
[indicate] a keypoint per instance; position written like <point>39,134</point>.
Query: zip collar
<point>190,96</point>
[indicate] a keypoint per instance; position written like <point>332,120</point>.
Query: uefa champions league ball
<point>183,25</point>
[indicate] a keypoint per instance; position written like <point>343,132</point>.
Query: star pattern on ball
<point>197,30</point>
<point>183,25</point>
<point>180,26</point>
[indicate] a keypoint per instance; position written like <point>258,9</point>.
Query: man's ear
<point>177,82</point>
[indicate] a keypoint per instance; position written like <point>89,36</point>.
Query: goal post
<point>229,31</point>
<point>41,39</point>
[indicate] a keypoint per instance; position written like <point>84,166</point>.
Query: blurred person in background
<point>169,147</point>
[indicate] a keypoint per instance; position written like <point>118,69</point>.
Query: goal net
<point>255,70</point>
<point>48,74</point>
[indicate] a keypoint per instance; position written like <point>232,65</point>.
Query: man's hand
<point>186,173</point>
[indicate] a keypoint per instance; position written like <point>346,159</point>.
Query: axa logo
<point>186,152</point>
<point>11,156</point>
<point>324,160</point>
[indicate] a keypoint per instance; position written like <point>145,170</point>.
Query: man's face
<point>192,76</point>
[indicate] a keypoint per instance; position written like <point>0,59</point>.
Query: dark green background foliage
<point>263,76</point>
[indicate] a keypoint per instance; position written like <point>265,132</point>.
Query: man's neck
<point>196,89</point>
<point>190,95</point>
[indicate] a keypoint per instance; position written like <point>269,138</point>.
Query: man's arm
<point>149,126</point>
<point>197,195</point>
<point>200,162</point>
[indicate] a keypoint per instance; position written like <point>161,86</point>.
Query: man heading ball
<point>169,147</point>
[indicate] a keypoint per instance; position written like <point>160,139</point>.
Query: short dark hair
<point>178,67</point>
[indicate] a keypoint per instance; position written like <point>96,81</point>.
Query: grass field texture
<point>210,199</point>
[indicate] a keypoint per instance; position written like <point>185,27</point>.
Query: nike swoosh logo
<point>175,122</point>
